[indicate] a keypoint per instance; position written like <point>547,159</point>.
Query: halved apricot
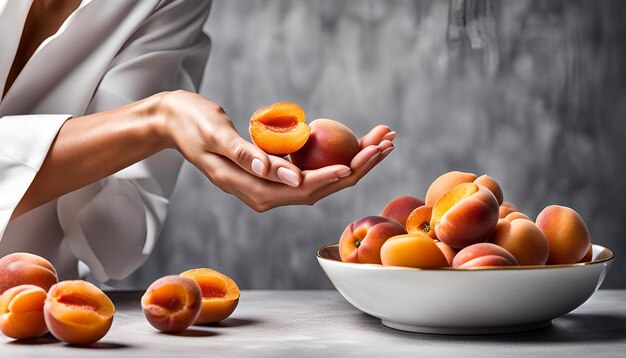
<point>220,294</point>
<point>279,128</point>
<point>465,215</point>
<point>172,303</point>
<point>419,221</point>
<point>78,312</point>
<point>21,312</point>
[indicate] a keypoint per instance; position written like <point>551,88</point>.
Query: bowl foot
<point>465,330</point>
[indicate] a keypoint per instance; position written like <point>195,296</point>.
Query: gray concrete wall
<point>530,92</point>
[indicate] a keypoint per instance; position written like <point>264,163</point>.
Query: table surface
<point>322,323</point>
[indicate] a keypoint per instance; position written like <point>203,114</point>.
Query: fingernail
<point>391,135</point>
<point>288,177</point>
<point>344,173</point>
<point>373,158</point>
<point>257,166</point>
<point>385,152</point>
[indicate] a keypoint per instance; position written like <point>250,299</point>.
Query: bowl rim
<point>470,269</point>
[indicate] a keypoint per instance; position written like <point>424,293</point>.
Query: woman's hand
<point>206,137</point>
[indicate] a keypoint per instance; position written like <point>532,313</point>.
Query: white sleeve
<point>24,144</point>
<point>112,225</point>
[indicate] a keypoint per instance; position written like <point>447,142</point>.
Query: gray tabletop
<point>322,323</point>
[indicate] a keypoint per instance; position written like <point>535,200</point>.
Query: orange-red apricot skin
<point>220,294</point>
<point>399,208</point>
<point>483,254</point>
<point>416,250</point>
<point>567,234</point>
<point>445,183</point>
<point>329,143</point>
<point>172,303</point>
<point>362,240</point>
<point>78,312</point>
<point>523,239</point>
<point>24,268</point>
<point>21,312</point>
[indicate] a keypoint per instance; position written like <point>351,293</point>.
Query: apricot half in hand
<point>172,303</point>
<point>22,268</point>
<point>220,294</point>
<point>78,312</point>
<point>279,128</point>
<point>21,312</point>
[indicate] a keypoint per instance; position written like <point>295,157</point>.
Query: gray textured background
<point>530,92</point>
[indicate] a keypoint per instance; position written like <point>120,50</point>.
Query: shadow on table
<point>571,328</point>
<point>232,322</point>
<point>49,339</point>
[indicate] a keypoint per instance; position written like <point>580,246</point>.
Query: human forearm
<point>93,147</point>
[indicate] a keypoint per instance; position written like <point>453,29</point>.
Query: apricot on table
<point>21,312</point>
<point>482,255</point>
<point>78,312</point>
<point>24,268</point>
<point>400,208</point>
<point>329,143</point>
<point>361,241</point>
<point>412,250</point>
<point>220,294</point>
<point>172,303</point>
<point>419,221</point>
<point>523,239</point>
<point>567,234</point>
<point>465,215</point>
<point>279,128</point>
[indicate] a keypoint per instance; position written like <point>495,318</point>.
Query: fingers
<point>254,160</point>
<point>376,135</point>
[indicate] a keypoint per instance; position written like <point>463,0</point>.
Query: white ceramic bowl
<point>466,301</point>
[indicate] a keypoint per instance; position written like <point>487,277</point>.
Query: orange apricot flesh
<point>419,221</point>
<point>220,294</point>
<point>279,128</point>
<point>22,268</point>
<point>21,312</point>
<point>445,183</point>
<point>78,312</point>
<point>465,215</point>
<point>416,250</point>
<point>172,303</point>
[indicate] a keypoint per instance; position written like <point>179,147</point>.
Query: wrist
<point>157,115</point>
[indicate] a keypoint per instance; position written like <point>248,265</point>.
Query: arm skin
<point>95,146</point>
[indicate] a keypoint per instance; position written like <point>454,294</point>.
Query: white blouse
<point>106,54</point>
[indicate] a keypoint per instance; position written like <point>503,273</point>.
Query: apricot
<point>22,268</point>
<point>445,183</point>
<point>172,303</point>
<point>401,207</point>
<point>78,312</point>
<point>21,312</point>
<point>523,239</point>
<point>493,186</point>
<point>567,234</point>
<point>483,254</point>
<point>220,294</point>
<point>465,215</point>
<point>447,251</point>
<point>419,221</point>
<point>506,208</point>
<point>588,256</point>
<point>517,215</point>
<point>362,240</point>
<point>412,250</point>
<point>329,143</point>
<point>279,128</point>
